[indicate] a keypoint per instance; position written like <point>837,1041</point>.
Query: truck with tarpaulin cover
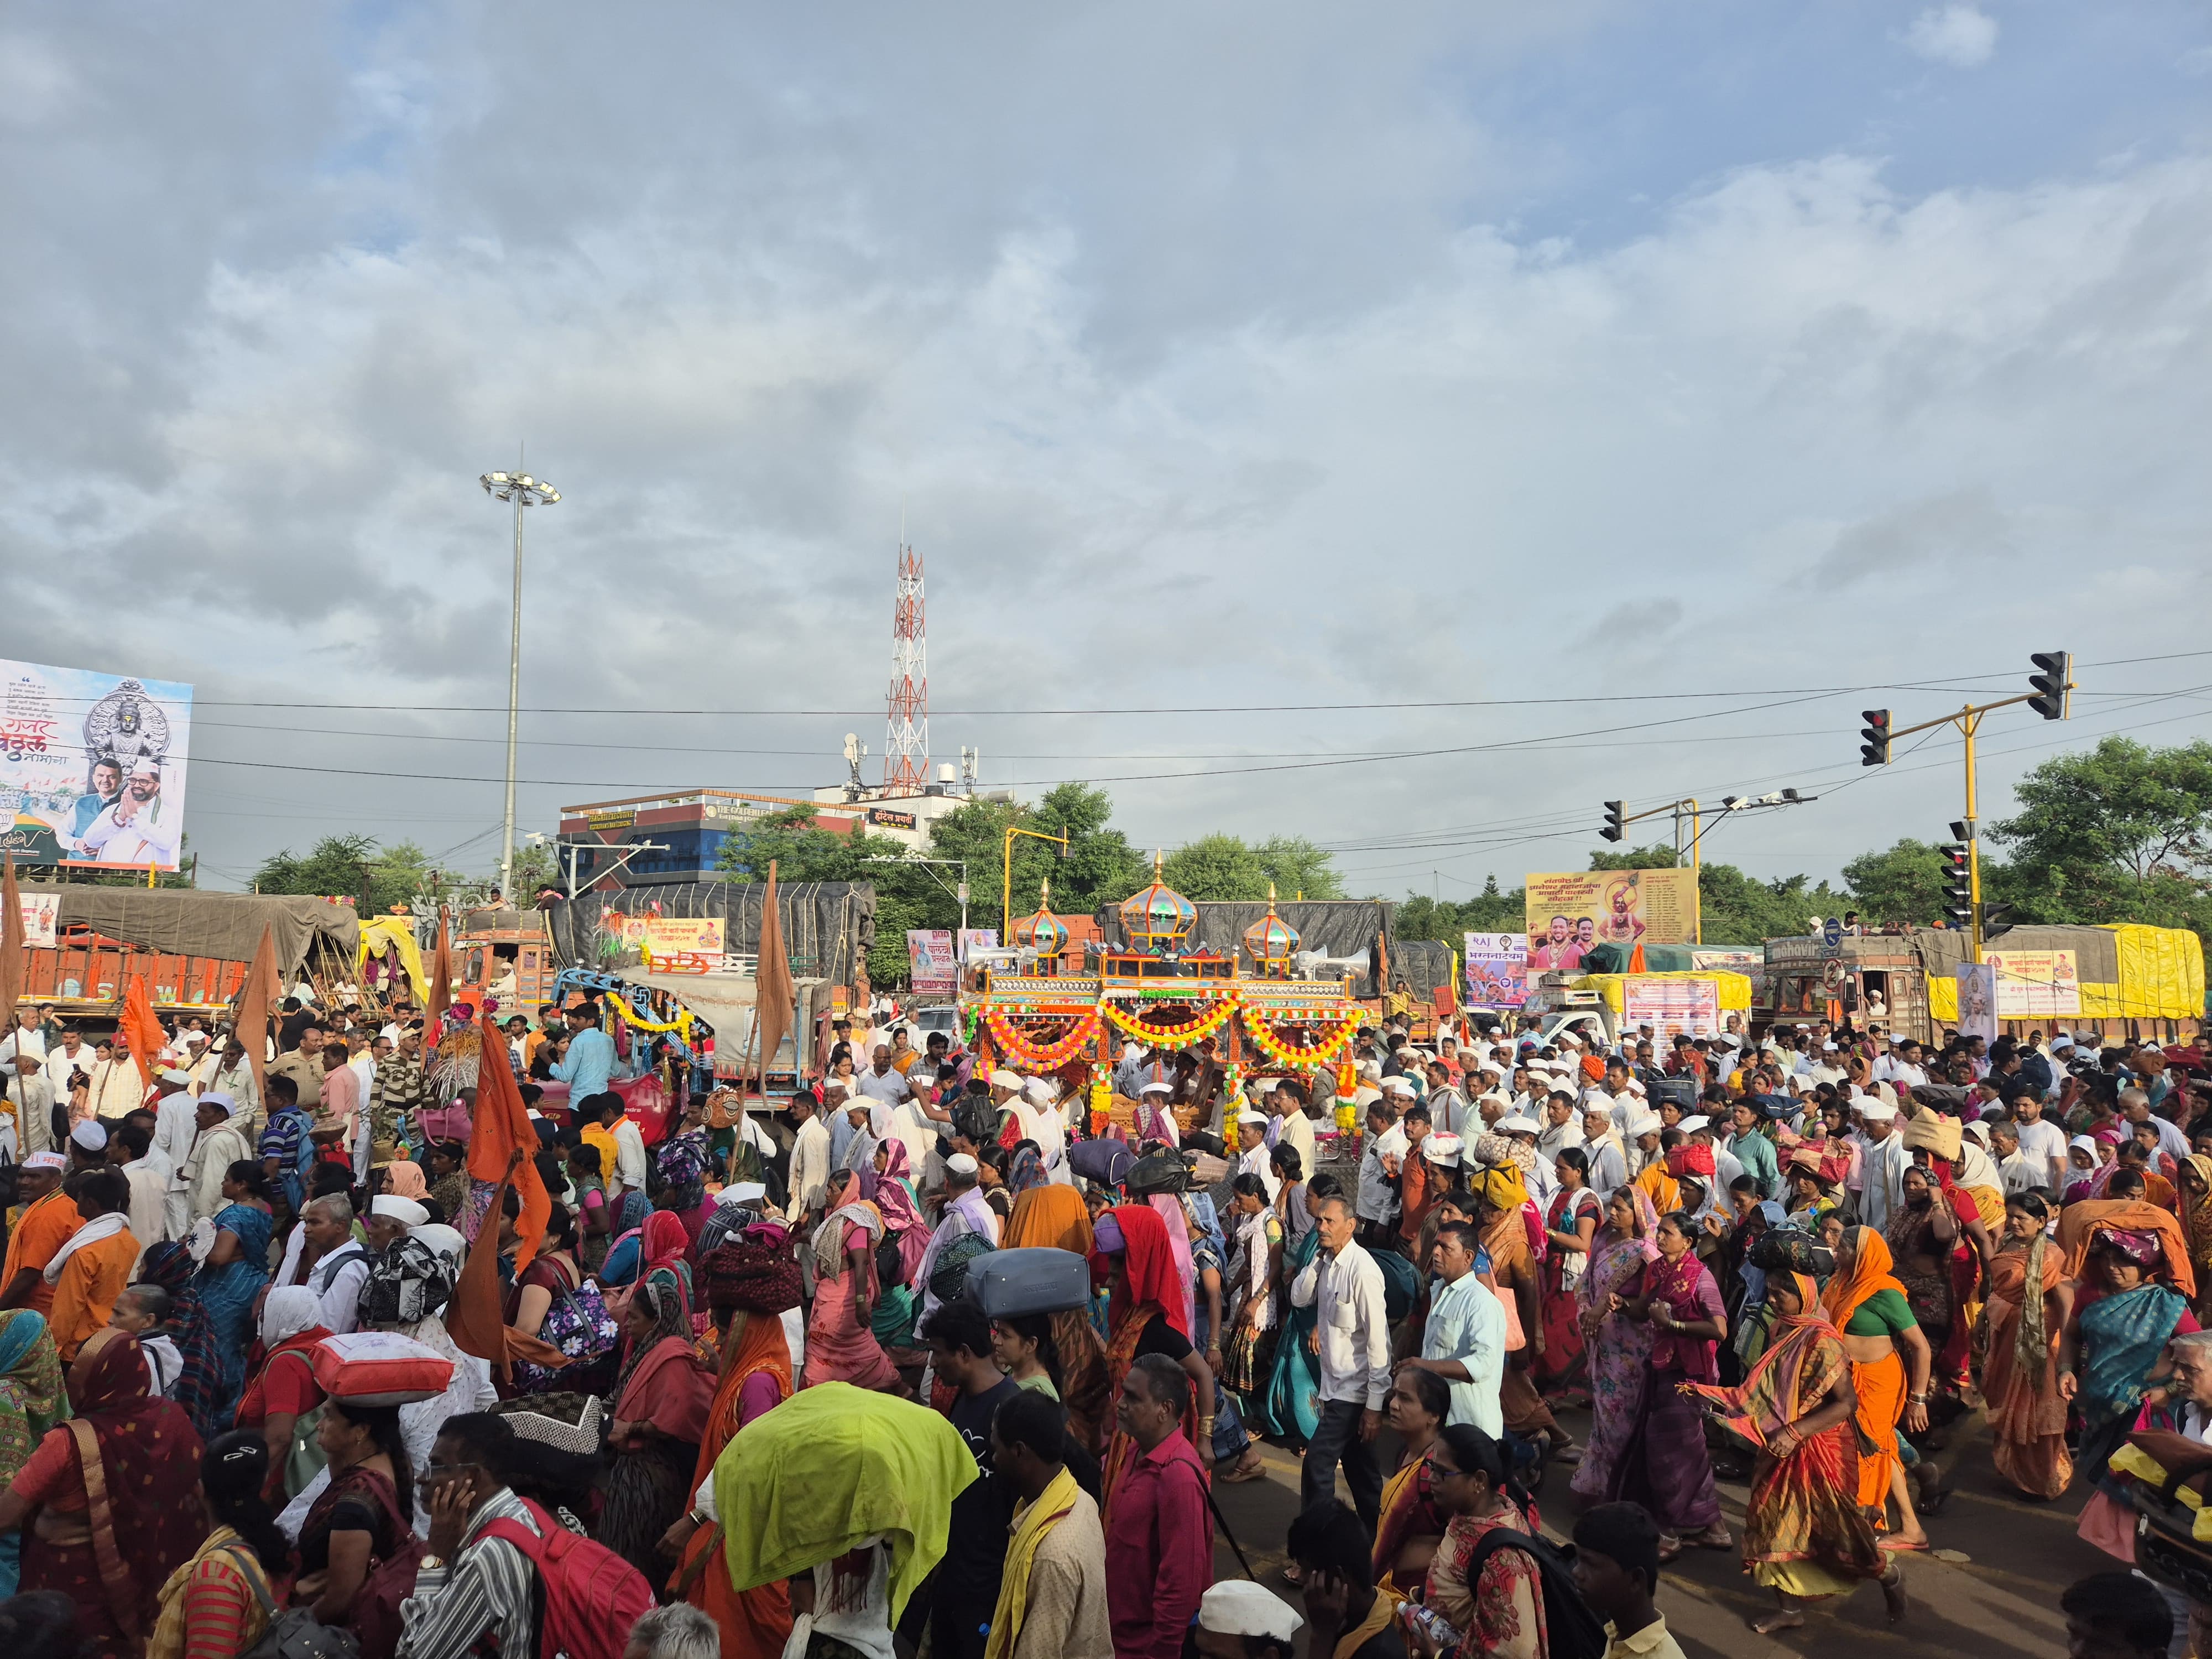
<point>192,947</point>
<point>2128,980</point>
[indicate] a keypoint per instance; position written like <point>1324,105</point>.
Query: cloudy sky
<point>1613,393</point>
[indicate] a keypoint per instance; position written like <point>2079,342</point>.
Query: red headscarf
<point>1149,1270</point>
<point>662,1242</point>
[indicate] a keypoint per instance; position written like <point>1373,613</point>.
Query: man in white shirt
<point>2135,1107</point>
<point>150,1178</point>
<point>2042,1142</point>
<point>337,1267</point>
<point>1601,1144</point>
<point>1345,1288</point>
<point>809,1159</point>
<point>1561,1130</point>
<point>176,1123</point>
<point>67,1057</point>
<point>118,1085</point>
<point>220,1143</point>
<point>32,1098</point>
<point>882,1081</point>
<point>1252,1153</point>
<point>1882,1163</point>
<point>1293,1127</point>
<point>26,1039</point>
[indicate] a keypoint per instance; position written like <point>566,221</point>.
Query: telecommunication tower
<point>906,752</point>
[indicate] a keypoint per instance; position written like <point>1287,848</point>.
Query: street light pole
<point>524,491</point>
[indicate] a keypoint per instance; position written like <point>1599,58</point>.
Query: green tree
<point>1099,867</point>
<point>1490,911</point>
<point>2117,833</point>
<point>1298,868</point>
<point>335,866</point>
<point>1215,869</point>
<point>534,867</point>
<point>1903,883</point>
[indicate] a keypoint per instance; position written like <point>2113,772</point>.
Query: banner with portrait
<point>2035,984</point>
<point>1669,1005</point>
<point>1571,912</point>
<point>92,767</point>
<point>1978,1000</point>
<point>1496,970</point>
<point>930,965</point>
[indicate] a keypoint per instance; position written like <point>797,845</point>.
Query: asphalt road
<point>1989,1586</point>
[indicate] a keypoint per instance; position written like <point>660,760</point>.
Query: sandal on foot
<point>1246,1468</point>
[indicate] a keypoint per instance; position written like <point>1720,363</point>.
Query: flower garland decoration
<point>1292,1053</point>
<point>1130,1026</point>
<point>1049,1057</point>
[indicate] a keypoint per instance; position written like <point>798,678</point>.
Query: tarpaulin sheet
<point>1336,927</point>
<point>2130,971</point>
<point>1424,964</point>
<point>1735,989</point>
<point>828,926</point>
<point>184,922</point>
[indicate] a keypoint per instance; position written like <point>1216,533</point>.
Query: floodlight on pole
<point>524,491</point>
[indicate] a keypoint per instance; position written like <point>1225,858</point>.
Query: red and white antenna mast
<point>906,752</point>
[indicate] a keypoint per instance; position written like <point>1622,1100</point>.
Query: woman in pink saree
<point>841,1344</point>
<point>1619,1348</point>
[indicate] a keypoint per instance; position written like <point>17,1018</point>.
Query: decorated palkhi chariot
<point>1045,1010</point>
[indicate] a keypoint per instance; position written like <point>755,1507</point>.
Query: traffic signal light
<point>1616,820</point>
<point>1994,917</point>
<point>1958,881</point>
<point>2052,680</point>
<point>1874,738</point>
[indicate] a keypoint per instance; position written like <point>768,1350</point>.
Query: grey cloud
<point>1940,538</point>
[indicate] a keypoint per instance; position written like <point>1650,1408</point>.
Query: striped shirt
<point>490,1585</point>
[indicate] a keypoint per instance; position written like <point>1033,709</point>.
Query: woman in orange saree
<point>1805,1534</point>
<point>2030,1298</point>
<point>1890,1364</point>
<point>751,1281</point>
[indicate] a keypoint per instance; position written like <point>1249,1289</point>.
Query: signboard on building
<point>681,936</point>
<point>1496,970</point>
<point>888,819</point>
<point>930,966</point>
<point>1668,1006</point>
<point>92,767</point>
<point>41,912</point>
<point>2035,984</point>
<point>1569,912</point>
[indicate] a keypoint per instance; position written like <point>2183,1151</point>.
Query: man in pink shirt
<point>341,1101</point>
<point>1159,1536</point>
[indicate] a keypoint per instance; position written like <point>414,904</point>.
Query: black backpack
<point>891,1266</point>
<point>1572,1630</point>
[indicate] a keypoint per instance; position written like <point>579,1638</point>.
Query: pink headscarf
<point>1178,1223</point>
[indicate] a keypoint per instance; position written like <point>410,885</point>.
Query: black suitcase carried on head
<point>1010,1282</point>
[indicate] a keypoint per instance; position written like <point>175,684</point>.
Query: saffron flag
<point>261,992</point>
<point>139,1024</point>
<point>476,1316</point>
<point>15,960</point>
<point>773,992</point>
<point>441,995</point>
<point>499,1128</point>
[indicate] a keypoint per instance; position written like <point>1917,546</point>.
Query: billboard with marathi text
<point>1496,970</point>
<point>92,767</point>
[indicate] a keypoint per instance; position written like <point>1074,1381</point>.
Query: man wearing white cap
<point>1882,1161</point>
<point>965,1212</point>
<point>1603,1145</point>
<point>1005,1087</point>
<point>29,1124</point>
<point>1643,1132</point>
<point>1038,1112</point>
<point>1154,1120</point>
<point>1252,1151</point>
<point>1562,1125</point>
<point>176,1125</point>
<point>1240,1619</point>
<point>389,1219</point>
<point>217,1143</point>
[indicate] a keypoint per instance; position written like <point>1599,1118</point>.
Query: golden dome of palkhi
<point>1156,917</point>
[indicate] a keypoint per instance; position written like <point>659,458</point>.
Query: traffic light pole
<point>1968,721</point>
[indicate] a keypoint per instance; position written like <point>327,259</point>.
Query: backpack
<point>304,1459</point>
<point>1401,1282</point>
<point>291,1633</point>
<point>390,1582</point>
<point>1572,1630</point>
<point>579,1324</point>
<point>592,1597</point>
<point>891,1266</point>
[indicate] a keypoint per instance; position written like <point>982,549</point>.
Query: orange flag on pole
<point>441,995</point>
<point>499,1128</point>
<point>139,1024</point>
<point>262,990</point>
<point>14,959</point>
<point>773,991</point>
